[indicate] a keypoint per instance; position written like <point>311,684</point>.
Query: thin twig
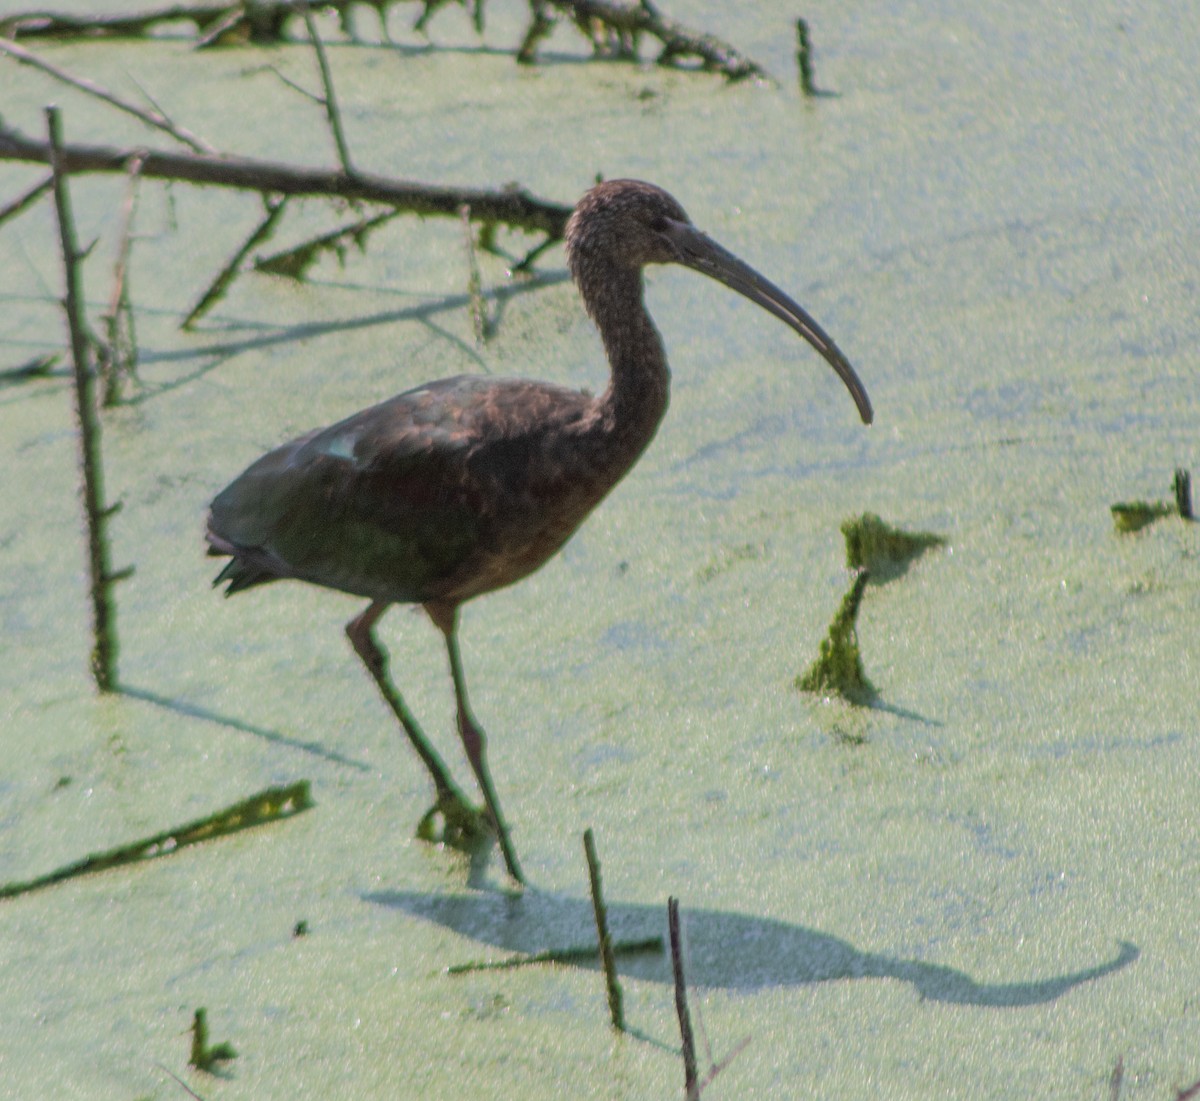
<point>578,954</point>
<point>479,321</point>
<point>330,99</point>
<point>151,118</point>
<point>690,1079</point>
<point>119,350</point>
<point>612,983</point>
<point>217,288</point>
<point>295,85</point>
<point>25,199</point>
<point>104,645</point>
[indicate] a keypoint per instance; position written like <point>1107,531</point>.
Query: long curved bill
<point>701,253</point>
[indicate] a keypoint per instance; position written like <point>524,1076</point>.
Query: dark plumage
<point>466,485</point>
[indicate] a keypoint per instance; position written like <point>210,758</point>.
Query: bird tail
<point>240,572</point>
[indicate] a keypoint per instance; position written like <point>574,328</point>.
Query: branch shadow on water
<point>195,711</point>
<point>727,950</point>
<point>257,336</point>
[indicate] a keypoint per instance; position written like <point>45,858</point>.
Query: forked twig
<point>330,99</point>
<point>151,118</point>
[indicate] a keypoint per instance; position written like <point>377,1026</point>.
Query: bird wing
<point>390,503</point>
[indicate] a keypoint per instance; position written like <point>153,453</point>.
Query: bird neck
<point>639,388</point>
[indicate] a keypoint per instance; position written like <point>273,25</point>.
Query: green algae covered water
<point>982,886</point>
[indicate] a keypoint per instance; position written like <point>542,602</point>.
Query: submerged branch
<point>271,805</point>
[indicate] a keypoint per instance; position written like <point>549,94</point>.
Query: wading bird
<point>466,485</point>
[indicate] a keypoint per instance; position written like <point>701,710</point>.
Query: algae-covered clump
<point>882,550</point>
<point>1133,516</point>
<point>1129,516</point>
<point>878,552</point>
<point>205,1056</point>
<point>838,669</point>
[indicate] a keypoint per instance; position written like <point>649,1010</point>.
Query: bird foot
<point>462,826</point>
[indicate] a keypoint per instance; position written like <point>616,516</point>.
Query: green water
<point>992,896</point>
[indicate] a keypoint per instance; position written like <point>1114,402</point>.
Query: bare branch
<point>512,206</point>
<point>151,118</point>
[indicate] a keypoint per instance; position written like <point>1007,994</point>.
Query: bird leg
<point>473,739</point>
<point>463,823</point>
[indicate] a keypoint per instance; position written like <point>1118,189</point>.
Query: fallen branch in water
<point>614,28</point>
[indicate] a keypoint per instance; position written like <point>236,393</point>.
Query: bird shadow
<point>726,950</point>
